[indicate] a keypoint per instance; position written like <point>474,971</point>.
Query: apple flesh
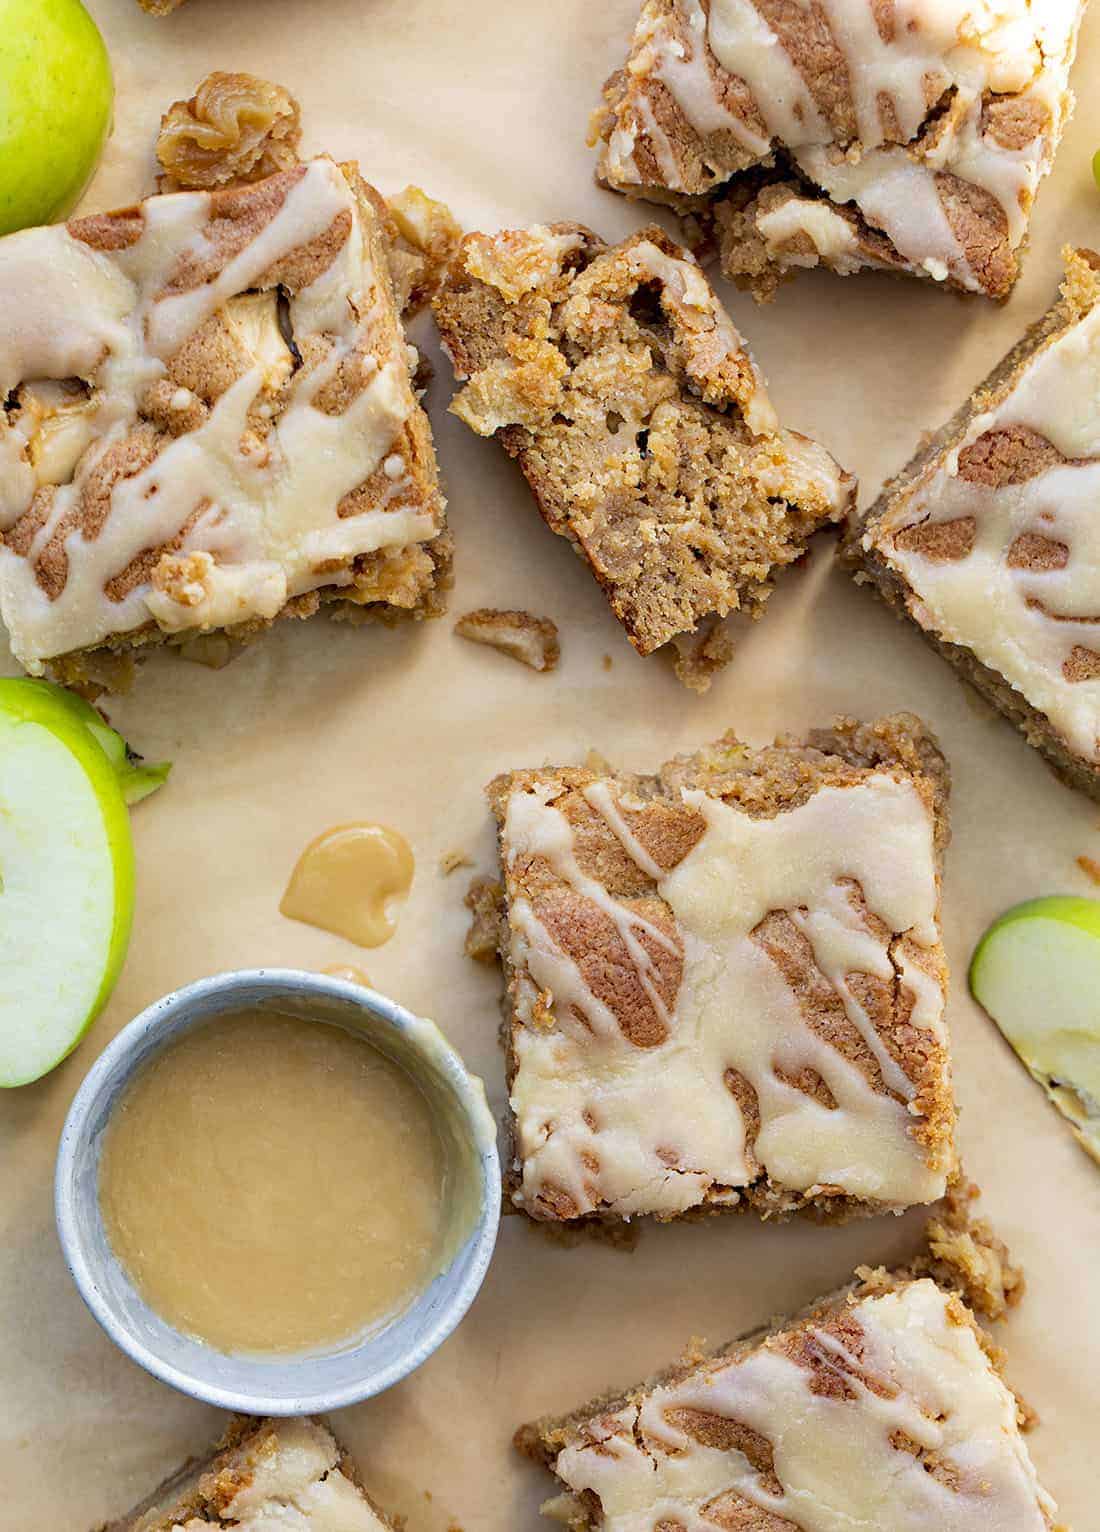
<point>55,108</point>
<point>66,886</point>
<point>1037,974</point>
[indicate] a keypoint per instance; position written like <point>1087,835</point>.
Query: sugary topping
<point>289,1480</point>
<point>884,1413</point>
<point>1000,540</point>
<point>935,118</point>
<point>734,1009</point>
<point>241,379</point>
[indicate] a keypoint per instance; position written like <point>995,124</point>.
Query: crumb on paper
<point>607,662</point>
<point>236,127</point>
<point>699,656</point>
<point>695,1352</point>
<point>484,898</point>
<point>1090,867</point>
<point>451,861</point>
<point>531,640</point>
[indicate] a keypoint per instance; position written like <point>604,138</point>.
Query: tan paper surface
<point>485,103</point>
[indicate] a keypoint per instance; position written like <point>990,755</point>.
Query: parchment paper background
<point>485,103</point>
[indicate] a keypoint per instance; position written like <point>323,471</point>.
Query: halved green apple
<point>1036,972</point>
<point>66,872</point>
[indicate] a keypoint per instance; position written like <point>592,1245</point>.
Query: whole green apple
<point>55,108</point>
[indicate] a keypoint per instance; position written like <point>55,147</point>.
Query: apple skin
<point>56,95</point>
<point>31,705</point>
<point>136,779</point>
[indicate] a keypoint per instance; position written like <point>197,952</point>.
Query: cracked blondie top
<point>209,419</point>
<point>990,541</point>
<point>264,1474</point>
<point>641,422</point>
<point>907,135</point>
<point>882,1408</point>
<point>725,982</point>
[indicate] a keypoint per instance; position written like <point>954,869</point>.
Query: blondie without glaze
<point>641,423</point>
<point>881,1408</point>
<point>990,539</point>
<point>263,1474</point>
<point>725,982</point>
<point>906,135</point>
<point>210,422</point>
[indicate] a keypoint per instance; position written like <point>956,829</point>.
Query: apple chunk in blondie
<point>617,380</point>
<point>882,1407</point>
<point>209,422</point>
<point>725,981</point>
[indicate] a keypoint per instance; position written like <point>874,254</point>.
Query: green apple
<point>66,883</point>
<point>1036,972</point>
<point>136,779</point>
<point>55,108</point>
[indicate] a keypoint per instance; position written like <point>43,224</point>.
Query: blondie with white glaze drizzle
<point>726,983</point>
<point>640,420</point>
<point>882,1408</point>
<point>990,540</point>
<point>210,419</point>
<point>907,135</point>
<point>263,1474</point>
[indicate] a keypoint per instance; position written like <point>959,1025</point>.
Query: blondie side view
<point>725,982</point>
<point>263,1473</point>
<point>989,541</point>
<point>900,134</point>
<point>881,1407</point>
<point>616,379</point>
<point>211,422</point>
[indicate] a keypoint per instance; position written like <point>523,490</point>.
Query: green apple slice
<point>1036,972</point>
<point>66,884</point>
<point>136,779</point>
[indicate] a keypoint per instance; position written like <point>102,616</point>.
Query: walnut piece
<point>159,7</point>
<point>236,127</point>
<point>531,640</point>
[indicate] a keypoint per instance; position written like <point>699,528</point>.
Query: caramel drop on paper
<point>346,881</point>
<point>349,972</point>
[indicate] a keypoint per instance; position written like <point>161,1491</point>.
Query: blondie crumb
<point>531,640</point>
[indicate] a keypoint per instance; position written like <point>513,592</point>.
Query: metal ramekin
<point>280,1385</point>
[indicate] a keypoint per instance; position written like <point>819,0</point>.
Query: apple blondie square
<point>210,422</point>
<point>642,425</point>
<point>904,135</point>
<point>882,1406</point>
<point>725,982</point>
<point>264,1473</point>
<point>989,540</point>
